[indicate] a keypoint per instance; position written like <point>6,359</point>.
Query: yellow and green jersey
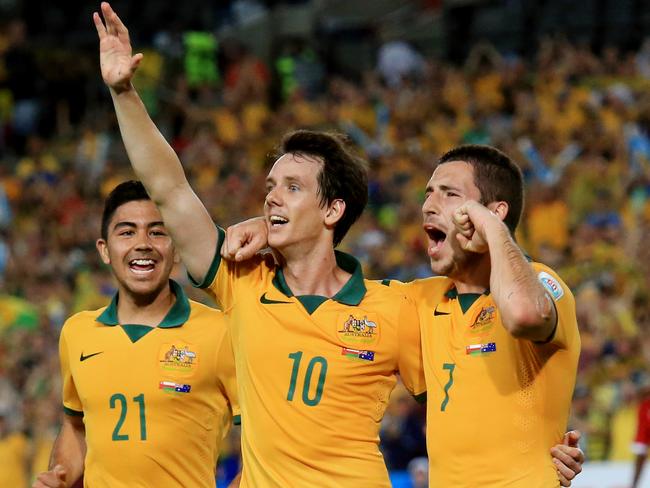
<point>156,401</point>
<point>315,373</point>
<point>496,404</point>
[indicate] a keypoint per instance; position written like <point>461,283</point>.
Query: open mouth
<point>277,220</point>
<point>141,265</point>
<point>436,237</point>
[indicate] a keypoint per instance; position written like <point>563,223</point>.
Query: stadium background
<point>561,85</point>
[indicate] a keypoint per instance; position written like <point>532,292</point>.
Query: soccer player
<point>148,382</point>
<point>317,347</point>
<point>499,333</point>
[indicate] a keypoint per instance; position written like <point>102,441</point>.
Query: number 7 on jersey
<point>449,367</point>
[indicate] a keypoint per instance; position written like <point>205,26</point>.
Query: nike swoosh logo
<point>83,358</point>
<point>268,301</point>
<point>436,313</point>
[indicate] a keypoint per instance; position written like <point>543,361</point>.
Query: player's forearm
<point>153,159</point>
<point>69,449</point>
<point>526,309</point>
<point>157,166</point>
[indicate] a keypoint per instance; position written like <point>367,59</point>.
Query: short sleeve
<point>71,402</point>
<point>411,366</point>
<point>566,334</point>
<point>225,278</point>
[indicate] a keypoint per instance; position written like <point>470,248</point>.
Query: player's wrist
<point>118,89</point>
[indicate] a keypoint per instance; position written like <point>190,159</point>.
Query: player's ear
<point>335,211</point>
<point>102,249</point>
<point>177,257</point>
<point>500,208</point>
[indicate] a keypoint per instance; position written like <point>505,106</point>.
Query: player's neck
<point>144,309</point>
<point>314,272</point>
<point>473,278</point>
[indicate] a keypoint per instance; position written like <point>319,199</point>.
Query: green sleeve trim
<point>72,413</point>
<point>214,267</point>
<point>551,337</point>
<point>421,398</point>
<point>385,282</point>
<point>236,420</point>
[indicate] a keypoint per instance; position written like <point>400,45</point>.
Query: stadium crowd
<point>577,123</point>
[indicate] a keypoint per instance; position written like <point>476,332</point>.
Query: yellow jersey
<point>496,404</point>
<point>315,373</point>
<point>156,401</point>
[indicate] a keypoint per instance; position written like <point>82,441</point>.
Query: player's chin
<point>144,282</point>
<point>278,240</point>
<point>440,265</point>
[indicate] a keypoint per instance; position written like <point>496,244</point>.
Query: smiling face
<point>295,215</point>
<point>138,249</point>
<point>452,184</point>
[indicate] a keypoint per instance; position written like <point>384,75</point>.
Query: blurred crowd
<point>577,123</point>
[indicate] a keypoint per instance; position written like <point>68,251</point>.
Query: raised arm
<point>67,458</point>
<point>526,309</point>
<point>153,159</point>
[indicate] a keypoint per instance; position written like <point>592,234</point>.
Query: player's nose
<point>430,204</point>
<point>273,198</point>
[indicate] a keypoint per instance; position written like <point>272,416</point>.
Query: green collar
<point>352,292</point>
<point>466,300</point>
<point>453,293</point>
<point>176,317</point>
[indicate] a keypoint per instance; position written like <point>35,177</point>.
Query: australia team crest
<point>180,358</point>
<point>484,321</point>
<point>358,329</point>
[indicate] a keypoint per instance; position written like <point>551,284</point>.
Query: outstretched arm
<point>527,311</point>
<point>153,160</point>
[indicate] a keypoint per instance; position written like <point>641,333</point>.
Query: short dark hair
<point>125,192</point>
<point>344,175</point>
<point>496,176</point>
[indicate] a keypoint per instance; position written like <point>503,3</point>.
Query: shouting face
<point>450,185</point>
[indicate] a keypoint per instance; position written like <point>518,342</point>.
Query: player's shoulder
<point>263,262</point>
<point>199,312</point>
<point>85,318</point>
<point>421,287</point>
<point>551,281</point>
<point>208,322</point>
<point>385,289</point>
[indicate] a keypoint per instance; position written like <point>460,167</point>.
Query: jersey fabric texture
<point>315,373</point>
<point>156,401</point>
<point>496,404</point>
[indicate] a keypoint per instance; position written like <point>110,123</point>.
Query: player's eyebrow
<point>126,223</point>
<point>430,188</point>
<point>286,179</point>
<point>448,187</point>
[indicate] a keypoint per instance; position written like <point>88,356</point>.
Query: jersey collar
<point>176,317</point>
<point>352,292</point>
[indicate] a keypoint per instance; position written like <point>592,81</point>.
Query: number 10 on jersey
<point>319,361</point>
